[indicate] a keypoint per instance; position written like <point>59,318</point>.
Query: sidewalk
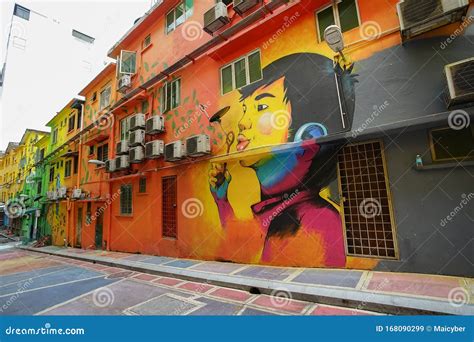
<point>385,292</point>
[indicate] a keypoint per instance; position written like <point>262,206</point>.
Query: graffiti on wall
<point>294,104</point>
<point>56,219</point>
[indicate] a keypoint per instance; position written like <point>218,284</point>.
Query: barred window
<point>142,185</point>
<point>126,199</point>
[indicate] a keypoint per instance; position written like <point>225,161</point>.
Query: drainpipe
<point>109,190</point>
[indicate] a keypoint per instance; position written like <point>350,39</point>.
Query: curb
<point>344,297</point>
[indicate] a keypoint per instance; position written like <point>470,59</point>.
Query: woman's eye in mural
<point>261,107</point>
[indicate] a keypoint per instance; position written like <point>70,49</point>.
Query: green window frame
<point>68,168</point>
<point>170,96</point>
<point>126,201</point>
<point>344,14</point>
<point>178,15</point>
<point>241,72</point>
<point>124,128</point>
<point>142,185</point>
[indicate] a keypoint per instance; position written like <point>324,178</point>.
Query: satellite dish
<point>333,37</point>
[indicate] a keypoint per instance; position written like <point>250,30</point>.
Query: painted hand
<point>219,179</point>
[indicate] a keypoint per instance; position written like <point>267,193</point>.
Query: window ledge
<point>147,48</point>
<point>440,166</point>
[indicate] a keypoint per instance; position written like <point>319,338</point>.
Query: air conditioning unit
<point>62,191</point>
<point>77,193</point>
<point>155,124</point>
<point>215,18</point>
<point>154,149</point>
<point>174,151</point>
<point>122,162</point>
<point>242,6</point>
<point>460,78</point>
<point>137,121</point>
<point>417,17</point>
<point>136,155</point>
<point>52,195</point>
<point>122,147</point>
<point>124,83</point>
<point>137,138</point>
<point>198,145</point>
<point>110,165</point>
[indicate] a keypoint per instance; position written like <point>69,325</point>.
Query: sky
<point>34,89</point>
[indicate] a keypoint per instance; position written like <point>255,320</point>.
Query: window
<point>83,37</point>
<point>343,14</point>
<point>142,185</point>
<point>226,2</point>
<point>71,123</point>
<point>170,95</point>
<point>94,96</point>
<point>67,168</point>
<point>242,72</point>
<point>178,15</point>
<point>105,97</point>
<point>76,164</point>
<point>55,136</point>
<point>51,174</point>
<point>124,128</point>
<point>21,12</point>
<point>127,62</point>
<point>126,199</point>
<point>88,213</point>
<point>91,149</point>
<point>79,119</point>
<point>39,188</point>
<point>146,42</point>
<point>450,144</point>
<point>41,154</point>
<point>103,152</point>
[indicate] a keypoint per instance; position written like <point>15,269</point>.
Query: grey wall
<point>421,199</point>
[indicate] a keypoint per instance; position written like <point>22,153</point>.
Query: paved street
<point>35,283</point>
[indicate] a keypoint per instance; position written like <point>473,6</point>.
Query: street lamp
<point>96,162</point>
<point>333,37</point>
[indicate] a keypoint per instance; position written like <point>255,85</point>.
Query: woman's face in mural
<point>266,118</point>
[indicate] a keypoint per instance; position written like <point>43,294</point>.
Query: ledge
<point>440,166</point>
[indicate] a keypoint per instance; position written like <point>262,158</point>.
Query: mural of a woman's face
<point>265,120</point>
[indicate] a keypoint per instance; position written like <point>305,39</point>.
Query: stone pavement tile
<point>69,274</point>
<point>112,300</point>
<point>324,310</point>
<point>415,284</point>
<point>168,281</point>
<point>217,267</point>
<point>232,294</point>
<point>271,273</point>
<point>255,312</point>
<point>41,299</point>
<point>110,270</point>
<point>196,287</point>
<point>25,264</point>
<point>182,263</point>
<point>280,304</point>
<point>144,276</point>
<point>156,260</point>
<point>215,307</point>
<point>137,257</point>
<point>16,277</point>
<point>340,278</point>
<point>165,305</point>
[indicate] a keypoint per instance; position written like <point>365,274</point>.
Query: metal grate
<point>169,189</point>
<point>366,202</point>
<point>415,11</point>
<point>126,199</point>
<point>142,185</point>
